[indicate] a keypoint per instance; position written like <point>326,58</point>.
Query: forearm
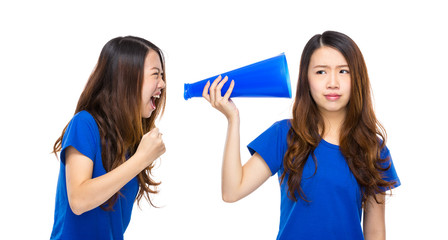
<point>232,170</point>
<point>94,192</point>
<point>375,236</point>
<point>374,230</point>
<point>374,224</point>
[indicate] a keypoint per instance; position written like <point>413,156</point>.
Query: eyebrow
<point>326,66</point>
<point>156,68</point>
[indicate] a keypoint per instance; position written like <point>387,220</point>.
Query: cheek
<point>147,91</point>
<point>347,87</point>
<point>315,89</point>
<point>144,96</point>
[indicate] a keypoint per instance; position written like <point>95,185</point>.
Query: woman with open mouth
<point>108,148</point>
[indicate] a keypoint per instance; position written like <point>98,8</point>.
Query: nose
<point>162,84</point>
<point>333,81</point>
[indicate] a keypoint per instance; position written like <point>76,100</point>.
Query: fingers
<point>151,146</point>
<point>205,91</point>
<point>216,91</point>
<point>155,131</point>
<point>229,91</point>
<point>157,141</point>
<point>212,92</point>
<point>220,85</point>
<point>213,89</point>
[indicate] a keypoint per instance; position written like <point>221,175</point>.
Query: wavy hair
<point>362,137</point>
<point>112,96</point>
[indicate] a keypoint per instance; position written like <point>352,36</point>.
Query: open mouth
<point>153,101</point>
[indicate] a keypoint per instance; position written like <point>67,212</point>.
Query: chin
<point>333,109</point>
<point>147,115</point>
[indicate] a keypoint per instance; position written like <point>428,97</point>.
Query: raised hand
<point>223,103</point>
<point>151,146</point>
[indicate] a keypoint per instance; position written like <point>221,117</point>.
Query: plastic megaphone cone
<point>267,78</point>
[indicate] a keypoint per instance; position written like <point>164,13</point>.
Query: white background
<point>49,48</point>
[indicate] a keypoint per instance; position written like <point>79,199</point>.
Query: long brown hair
<point>362,137</point>
<point>112,96</point>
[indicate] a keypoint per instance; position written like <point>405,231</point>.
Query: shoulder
<point>384,150</point>
<point>83,134</point>
<point>84,119</point>
<point>83,116</point>
<point>277,131</point>
<point>388,171</point>
<point>272,144</point>
<point>282,127</point>
<point>82,126</point>
<point>283,124</point>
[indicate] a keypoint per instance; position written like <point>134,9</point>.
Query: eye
<point>320,72</point>
<point>344,71</point>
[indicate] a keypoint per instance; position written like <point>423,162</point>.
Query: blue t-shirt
<point>335,208</point>
<point>82,133</point>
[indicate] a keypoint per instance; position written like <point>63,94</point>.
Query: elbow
<point>229,198</point>
<point>76,211</point>
<point>77,206</point>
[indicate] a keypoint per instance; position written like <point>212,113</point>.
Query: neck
<point>333,122</point>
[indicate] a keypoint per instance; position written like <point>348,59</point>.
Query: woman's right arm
<point>237,181</point>
<point>86,193</point>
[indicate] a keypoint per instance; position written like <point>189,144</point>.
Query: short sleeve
<point>271,145</point>
<point>389,175</point>
<point>82,133</point>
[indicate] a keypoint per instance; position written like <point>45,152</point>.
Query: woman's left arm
<point>374,225</point>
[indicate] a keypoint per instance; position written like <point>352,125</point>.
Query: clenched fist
<point>151,146</point>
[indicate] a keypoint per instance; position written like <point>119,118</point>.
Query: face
<point>329,80</point>
<point>152,83</point>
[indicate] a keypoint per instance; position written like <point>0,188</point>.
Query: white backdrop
<point>49,48</point>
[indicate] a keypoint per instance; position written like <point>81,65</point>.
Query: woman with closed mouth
<point>331,158</point>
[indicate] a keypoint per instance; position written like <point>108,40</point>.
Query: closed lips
<point>332,96</point>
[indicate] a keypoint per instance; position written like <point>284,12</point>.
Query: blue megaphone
<point>267,78</point>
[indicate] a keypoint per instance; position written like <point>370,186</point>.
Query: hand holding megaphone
<point>212,93</point>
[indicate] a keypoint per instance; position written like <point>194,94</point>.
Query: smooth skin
<point>86,193</point>
<point>328,74</point>
<point>238,181</point>
<point>152,83</point>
